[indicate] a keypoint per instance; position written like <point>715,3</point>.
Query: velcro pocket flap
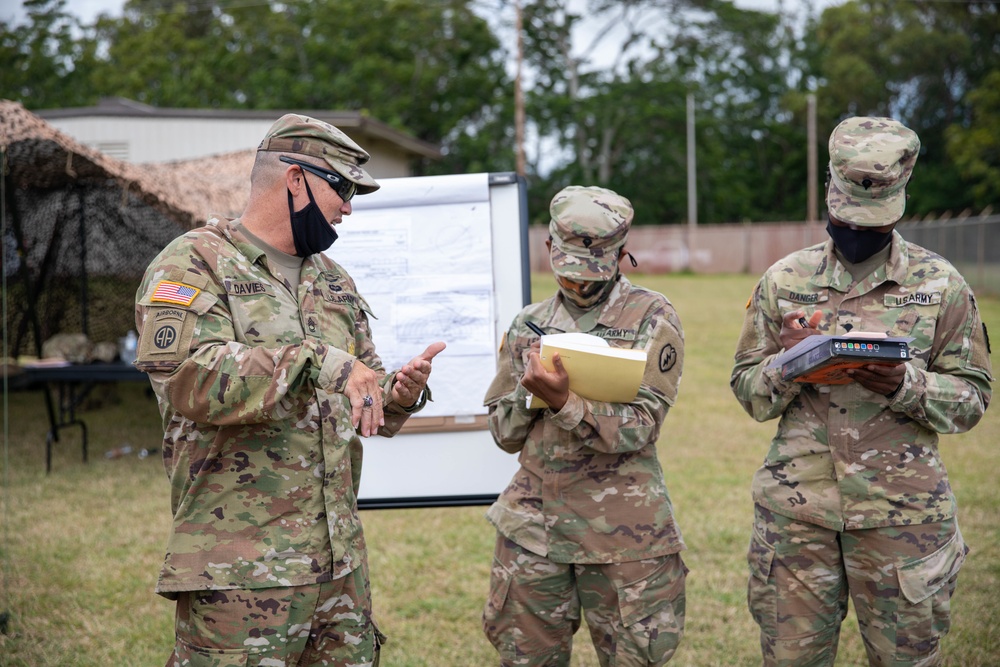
<point>922,578</point>
<point>499,587</point>
<point>643,598</point>
<point>759,557</point>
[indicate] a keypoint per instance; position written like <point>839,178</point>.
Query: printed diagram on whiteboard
<point>429,276</point>
<point>438,258</point>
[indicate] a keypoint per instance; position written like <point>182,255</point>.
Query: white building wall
<point>171,139</point>
<point>163,139</point>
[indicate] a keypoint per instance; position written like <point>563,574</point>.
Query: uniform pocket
<point>923,578</point>
<point>196,656</point>
<point>761,596</point>
<point>924,607</point>
<point>500,579</point>
<point>498,627</point>
<point>213,629</point>
<point>652,610</point>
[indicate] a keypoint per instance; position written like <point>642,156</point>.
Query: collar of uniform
<point>234,232</point>
<point>611,310</point>
<point>899,260</point>
<point>829,271</point>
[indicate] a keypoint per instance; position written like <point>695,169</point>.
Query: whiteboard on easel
<point>439,258</point>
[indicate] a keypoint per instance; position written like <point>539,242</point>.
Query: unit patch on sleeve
<point>668,357</point>
<point>168,291</point>
<point>166,334</point>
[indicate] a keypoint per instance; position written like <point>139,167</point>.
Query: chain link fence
<point>972,244</point>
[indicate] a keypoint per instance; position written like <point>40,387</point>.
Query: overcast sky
<point>87,10</point>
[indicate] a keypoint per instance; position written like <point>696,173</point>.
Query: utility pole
<point>692,225</point>
<point>812,212</point>
<point>691,176</point>
<point>518,92</point>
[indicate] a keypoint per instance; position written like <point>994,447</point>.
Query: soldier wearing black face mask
<point>258,347</point>
<point>853,500</point>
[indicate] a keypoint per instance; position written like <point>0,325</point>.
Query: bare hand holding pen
<point>795,327</point>
<point>550,386</point>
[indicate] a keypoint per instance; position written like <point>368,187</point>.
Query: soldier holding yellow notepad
<point>586,525</point>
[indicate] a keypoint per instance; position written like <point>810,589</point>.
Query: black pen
<point>803,323</point>
<point>534,327</point>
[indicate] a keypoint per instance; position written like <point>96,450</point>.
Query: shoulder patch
<point>668,357</point>
<point>168,291</point>
<point>166,334</point>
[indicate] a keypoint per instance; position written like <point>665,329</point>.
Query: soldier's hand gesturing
<point>412,378</point>
<point>365,394</point>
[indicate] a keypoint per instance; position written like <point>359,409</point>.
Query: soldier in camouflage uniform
<point>586,521</point>
<point>259,350</point>
<point>853,498</point>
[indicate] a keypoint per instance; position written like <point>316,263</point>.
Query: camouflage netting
<point>79,228</point>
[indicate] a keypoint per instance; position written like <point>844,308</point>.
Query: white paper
<point>427,273</point>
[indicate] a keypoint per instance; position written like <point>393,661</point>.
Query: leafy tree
<point>918,62</point>
<point>432,69</point>
<point>624,126</point>
<point>976,148</point>
<point>441,75</point>
<point>438,71</point>
<point>749,78</point>
<point>169,55</point>
<point>43,63</point>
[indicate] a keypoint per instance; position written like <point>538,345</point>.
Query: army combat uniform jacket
<point>249,373</point>
<point>844,457</point>
<point>590,488</point>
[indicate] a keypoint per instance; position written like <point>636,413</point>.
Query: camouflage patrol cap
<point>588,228</point>
<point>871,160</point>
<point>294,133</point>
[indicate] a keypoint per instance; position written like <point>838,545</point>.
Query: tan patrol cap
<point>588,228</point>
<point>871,160</point>
<point>294,133</point>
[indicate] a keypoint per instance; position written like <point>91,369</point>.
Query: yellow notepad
<point>596,370</point>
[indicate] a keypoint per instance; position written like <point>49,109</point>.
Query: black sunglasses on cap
<point>344,188</point>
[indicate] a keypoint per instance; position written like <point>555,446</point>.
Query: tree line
<point>605,105</point>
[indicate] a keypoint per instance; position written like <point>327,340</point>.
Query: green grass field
<point>80,548</point>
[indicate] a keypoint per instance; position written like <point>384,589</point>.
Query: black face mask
<point>857,245</point>
<point>311,231</point>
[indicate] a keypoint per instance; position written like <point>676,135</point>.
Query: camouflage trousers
<point>634,610</point>
<point>321,624</point>
<point>900,579</point>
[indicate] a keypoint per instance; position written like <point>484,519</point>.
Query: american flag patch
<point>171,292</point>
